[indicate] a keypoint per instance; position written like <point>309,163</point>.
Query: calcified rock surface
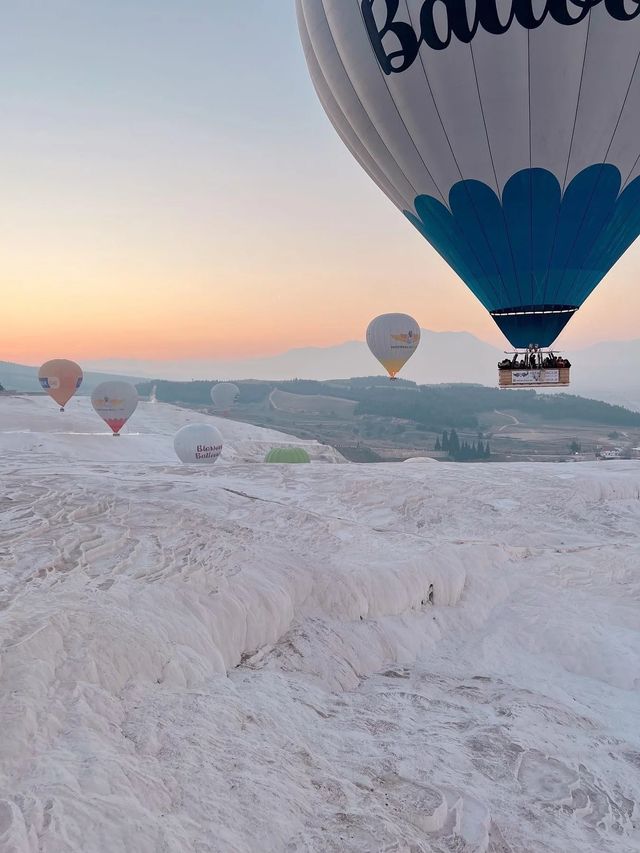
<point>311,658</point>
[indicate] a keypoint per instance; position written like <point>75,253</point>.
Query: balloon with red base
<point>115,402</point>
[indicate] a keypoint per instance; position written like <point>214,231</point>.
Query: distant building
<point>611,453</point>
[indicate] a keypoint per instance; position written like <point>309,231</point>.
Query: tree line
<point>462,451</point>
<point>432,407</point>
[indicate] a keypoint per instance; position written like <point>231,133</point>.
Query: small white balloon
<point>198,444</point>
<point>224,395</point>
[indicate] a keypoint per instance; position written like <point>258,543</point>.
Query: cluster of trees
<point>462,406</point>
<point>435,407</point>
<point>462,451</point>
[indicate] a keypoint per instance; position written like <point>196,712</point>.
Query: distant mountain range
<point>442,357</point>
<point>607,371</point>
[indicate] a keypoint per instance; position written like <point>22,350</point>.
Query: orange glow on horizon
<point>203,321</point>
<point>205,328</point>
<point>134,293</point>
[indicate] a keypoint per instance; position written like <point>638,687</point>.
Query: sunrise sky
<point>171,189</point>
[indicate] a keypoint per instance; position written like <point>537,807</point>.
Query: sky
<point>171,189</point>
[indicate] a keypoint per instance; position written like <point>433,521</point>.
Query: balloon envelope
<point>507,132</point>
<point>198,444</point>
<point>224,395</point>
<point>61,379</point>
<point>115,402</point>
<point>393,339</point>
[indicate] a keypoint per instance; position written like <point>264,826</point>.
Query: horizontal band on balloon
<point>535,309</point>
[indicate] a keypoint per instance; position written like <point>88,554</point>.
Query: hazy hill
<point>609,371</point>
<point>433,406</point>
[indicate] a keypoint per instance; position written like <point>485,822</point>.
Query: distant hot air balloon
<point>61,379</point>
<point>224,395</point>
<point>198,443</point>
<point>393,339</point>
<point>508,133</point>
<point>115,402</point>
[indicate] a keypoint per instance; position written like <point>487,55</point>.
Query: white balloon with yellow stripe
<point>393,339</point>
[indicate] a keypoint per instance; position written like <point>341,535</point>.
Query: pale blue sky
<point>171,188</point>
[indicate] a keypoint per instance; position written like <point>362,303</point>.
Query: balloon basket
<point>534,368</point>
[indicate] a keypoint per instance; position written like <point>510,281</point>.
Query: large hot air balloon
<point>198,444</point>
<point>115,402</point>
<point>224,395</point>
<point>393,339</point>
<point>61,379</point>
<point>508,133</point>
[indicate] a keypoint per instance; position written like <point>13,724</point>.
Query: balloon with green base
<point>287,456</point>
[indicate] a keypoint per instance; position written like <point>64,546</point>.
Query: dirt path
<point>515,421</point>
